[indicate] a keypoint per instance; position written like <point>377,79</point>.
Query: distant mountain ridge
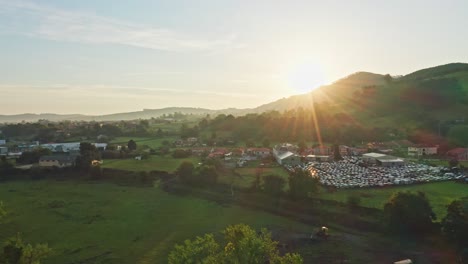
<point>144,114</point>
<point>360,92</point>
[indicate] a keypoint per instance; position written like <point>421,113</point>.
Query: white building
<point>72,146</point>
<point>382,160</point>
<point>288,158</point>
<point>422,151</point>
<point>3,151</point>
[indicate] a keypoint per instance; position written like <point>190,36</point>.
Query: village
<point>351,167</point>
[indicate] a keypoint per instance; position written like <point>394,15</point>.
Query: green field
<point>440,194</point>
<point>247,176</point>
<point>154,162</point>
<point>105,223</point>
<point>149,141</point>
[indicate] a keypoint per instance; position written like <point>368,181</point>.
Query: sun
<point>306,77</point>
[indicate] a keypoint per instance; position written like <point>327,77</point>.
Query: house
<point>422,150</point>
<point>59,161</point>
<point>319,158</point>
<point>3,151</point>
<point>192,140</point>
<point>71,147</point>
<point>199,151</point>
<point>284,147</point>
<point>405,261</point>
<point>2,142</point>
<point>322,150</point>
<point>458,154</point>
<point>259,152</point>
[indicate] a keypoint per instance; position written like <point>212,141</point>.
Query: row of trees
<point>411,213</point>
<point>204,175</point>
<point>240,244</point>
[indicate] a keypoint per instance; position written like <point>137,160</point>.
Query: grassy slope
<point>164,163</point>
<point>104,223</point>
<point>151,142</point>
<point>440,195</point>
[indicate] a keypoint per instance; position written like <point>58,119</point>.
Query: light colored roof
<point>373,155</point>
<point>390,159</point>
<point>285,155</point>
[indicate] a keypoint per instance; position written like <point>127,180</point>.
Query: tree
<point>455,224</point>
<point>302,184</point>
<point>273,185</point>
<point>33,156</point>
<point>15,251</point>
<point>302,146</point>
<point>180,153</point>
<point>266,143</point>
<point>241,244</point>
<point>388,78</point>
<point>88,153</point>
<point>409,212</point>
<point>185,172</point>
<point>206,175</point>
<point>336,153</point>
<point>132,145</point>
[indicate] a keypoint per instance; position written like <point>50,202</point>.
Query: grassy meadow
<point>154,162</point>
<point>440,194</point>
<point>105,223</point>
<point>149,141</point>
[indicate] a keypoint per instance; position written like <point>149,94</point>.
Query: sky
<point>111,56</point>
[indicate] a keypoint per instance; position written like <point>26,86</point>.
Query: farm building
<point>319,158</point>
<point>259,152</point>
<point>59,161</point>
<point>422,151</point>
<point>288,158</point>
<point>458,154</point>
<point>382,159</point>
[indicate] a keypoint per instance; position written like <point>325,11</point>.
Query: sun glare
<point>306,77</point>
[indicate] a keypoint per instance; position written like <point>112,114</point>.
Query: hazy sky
<point>106,56</point>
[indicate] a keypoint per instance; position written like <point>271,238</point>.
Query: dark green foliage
<point>336,153</point>
<point>180,153</point>
<point>207,175</point>
<point>185,172</point>
<point>458,135</point>
<point>131,145</point>
<point>5,167</point>
<point>455,224</point>
<point>33,156</point>
<point>88,153</point>
<point>302,184</point>
<point>241,244</point>
<point>15,251</point>
<point>186,132</point>
<point>273,185</point>
<point>408,212</point>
